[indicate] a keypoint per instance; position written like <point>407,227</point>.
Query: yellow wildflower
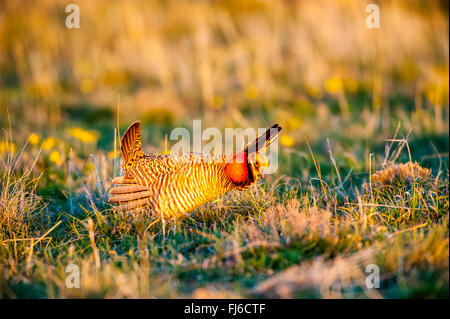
<point>7,147</point>
<point>437,89</point>
<point>34,139</point>
<point>114,78</point>
<point>84,135</point>
<point>435,94</point>
<point>86,85</point>
<point>89,166</point>
<point>49,143</point>
<point>114,154</point>
<point>334,85</point>
<point>286,140</point>
<point>293,123</point>
<point>55,157</point>
<point>251,92</point>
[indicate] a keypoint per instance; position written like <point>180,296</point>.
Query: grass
<point>277,241</point>
<point>363,155</point>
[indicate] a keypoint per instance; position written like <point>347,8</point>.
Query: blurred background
<point>311,66</point>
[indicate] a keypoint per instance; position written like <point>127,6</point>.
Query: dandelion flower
<point>435,94</point>
<point>334,85</point>
<point>7,147</point>
<point>293,123</point>
<point>89,166</point>
<point>286,140</point>
<point>114,154</point>
<point>83,135</point>
<point>251,92</point>
<point>49,143</point>
<point>34,139</point>
<point>87,85</point>
<point>55,157</point>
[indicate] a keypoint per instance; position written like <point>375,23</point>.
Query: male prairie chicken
<point>174,184</point>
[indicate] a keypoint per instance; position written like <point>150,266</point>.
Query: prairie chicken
<point>174,184</point>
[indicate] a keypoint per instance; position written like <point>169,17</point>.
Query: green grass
<point>248,244</point>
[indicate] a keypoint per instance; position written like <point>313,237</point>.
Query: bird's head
<point>248,166</point>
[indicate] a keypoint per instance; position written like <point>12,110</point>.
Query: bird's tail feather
<point>128,194</point>
<point>131,144</point>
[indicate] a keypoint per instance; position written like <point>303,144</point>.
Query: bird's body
<point>177,183</point>
<point>174,184</point>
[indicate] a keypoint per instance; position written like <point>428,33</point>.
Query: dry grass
<point>410,173</point>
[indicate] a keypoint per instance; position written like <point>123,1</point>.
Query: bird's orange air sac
<point>237,170</point>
